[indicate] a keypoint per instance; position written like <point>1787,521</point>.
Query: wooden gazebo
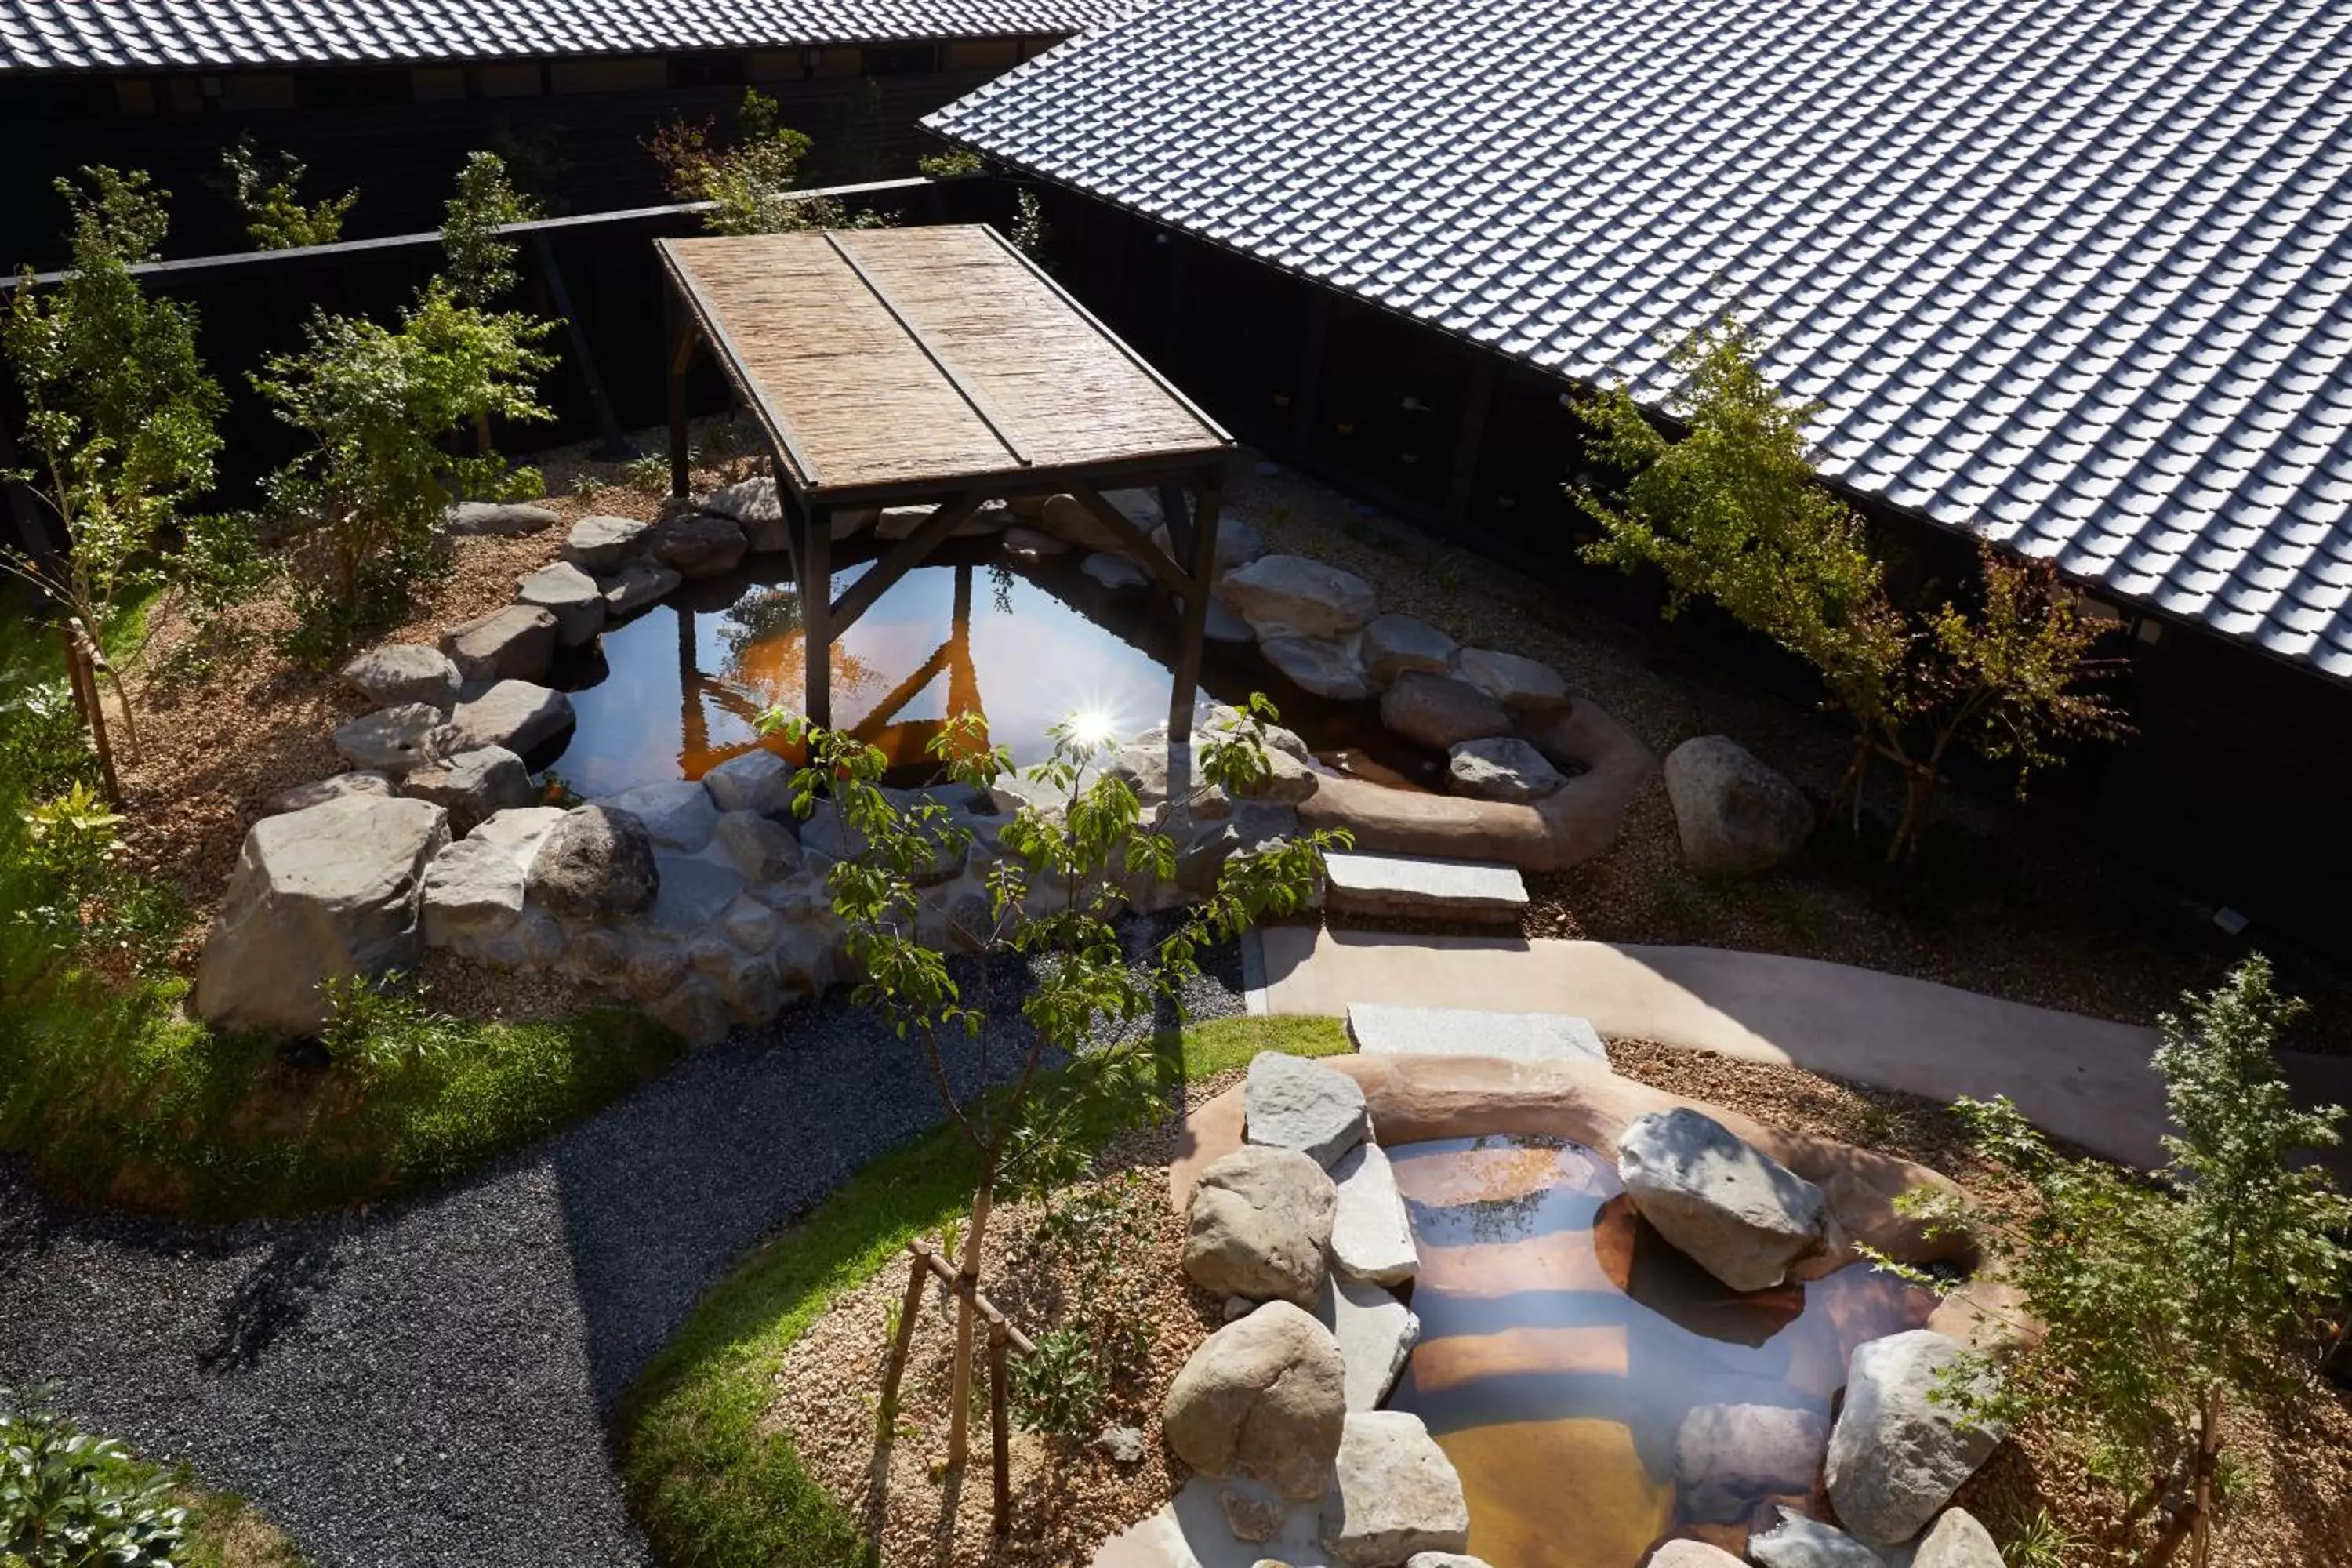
<point>889,367</point>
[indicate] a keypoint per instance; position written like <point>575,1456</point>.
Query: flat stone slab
<point>1380,1029</point>
<point>1376,1333</point>
<point>1413,885</point>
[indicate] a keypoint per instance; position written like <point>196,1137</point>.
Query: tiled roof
<point>2075,272</point>
<point>134,35</point>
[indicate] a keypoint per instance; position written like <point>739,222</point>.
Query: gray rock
<point>570,596</point>
<point>1502,767</point>
<point>1237,1307</point>
<point>1376,1333</point>
<point>696,1012</point>
<point>1221,625</point>
<point>514,642</point>
<point>1065,518</point>
<point>1253,1512</point>
<point>394,739</point>
<point>1901,1445</point>
<point>1290,1102</point>
<point>316,895</point>
<point>600,544</point>
<point>699,546</point>
<point>655,965</point>
<point>809,955</point>
<point>1460,1560</point>
<point>1417,885</point>
<point>1123,1445</point>
<point>1730,1455</point>
<point>472,785</point>
<point>1394,644</point>
<point>1320,667</point>
<point>846,522</point>
<point>597,864</point>
<point>1263,1399</point>
<point>504,520</point>
<point>402,672</point>
<point>1439,711</point>
<point>522,830</point>
<point>758,780</point>
<point>894,524</point>
<point>1393,1493</point>
<point>473,892</point>
<point>1521,685</point>
<point>1238,544</point>
<point>693,891</point>
<point>1114,572</point>
<point>1260,1221</point>
<point>636,585</point>
<point>748,501</point>
<point>678,814</point>
<point>1957,1540</point>
<point>1735,1211</point>
<point>750,925</point>
<point>1735,815</point>
<point>1380,1029</point>
<point>824,833</point>
<point>1371,1238</point>
<point>1677,1554</point>
<point>518,715</point>
<point>1796,1542</point>
<point>335,786</point>
<point>1034,544</point>
<point>597,953</point>
<point>751,987</point>
<point>1279,593</point>
<point>762,849</point>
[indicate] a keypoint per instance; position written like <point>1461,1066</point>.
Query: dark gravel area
<point>428,1384</point>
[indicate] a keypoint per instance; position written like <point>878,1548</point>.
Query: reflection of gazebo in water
<point>903,741</point>
<point>938,365</point>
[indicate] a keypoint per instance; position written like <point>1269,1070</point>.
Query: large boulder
<point>678,814</point>
<point>472,785</point>
<point>764,849</point>
<point>1290,1102</point>
<point>699,546</point>
<point>758,780</point>
<point>498,519</point>
<point>1238,544</point>
<point>1394,644</point>
<point>1733,1453</point>
<point>1264,1399</point>
<point>602,544</point>
<point>597,864</point>
<point>1502,767</point>
<point>1796,1542</point>
<point>1734,1210</point>
<point>335,786</point>
<point>1521,685</point>
<point>570,596</point>
<point>1320,667</point>
<point>1439,711</point>
<point>1067,518</point>
<point>516,714</point>
<point>1903,1444</point>
<point>1371,1237</point>
<point>635,585</point>
<point>394,739</point>
<point>750,502</point>
<point>1957,1540</point>
<point>402,672</point>
<point>316,895</point>
<point>516,642</point>
<point>1393,1493</point>
<point>1114,572</point>
<point>1292,593</point>
<point>473,892</point>
<point>1736,817</point>
<point>1260,1221</point>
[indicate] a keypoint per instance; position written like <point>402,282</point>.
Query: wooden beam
<point>1208,494</point>
<point>814,559</point>
<point>1179,521</point>
<point>683,337</point>
<point>1139,542</point>
<point>905,554</point>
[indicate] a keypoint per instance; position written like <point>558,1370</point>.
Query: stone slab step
<point>1381,1030</point>
<point>1410,885</point>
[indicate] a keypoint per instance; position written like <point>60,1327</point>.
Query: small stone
<point>597,864</point>
<point>504,520</point>
<point>1237,1308</point>
<point>394,740</point>
<point>513,643</point>
<point>1729,1208</point>
<point>1371,1238</point>
<point>1521,685</point>
<point>600,544</point>
<point>1260,1221</point>
<point>1439,711</point>
<point>520,715</point>
<point>1502,767</point>
<point>473,785</point>
<point>636,585</point>
<point>1796,1542</point>
<point>1320,667</point>
<point>1290,1102</point>
<point>1253,1512</point>
<point>699,546</point>
<point>1114,572</point>
<point>570,596</point>
<point>402,672</point>
<point>1394,644</point>
<point>758,780</point>
<point>1956,1540</point>
<point>678,814</point>
<point>335,786</point>
<point>1903,1445</point>
<point>1393,1493</point>
<point>762,849</point>
<point>1279,593</point>
<point>1124,1445</point>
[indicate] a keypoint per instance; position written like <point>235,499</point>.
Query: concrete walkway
<point>2082,1079</point>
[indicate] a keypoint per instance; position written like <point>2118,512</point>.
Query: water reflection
<point>1563,1343</point>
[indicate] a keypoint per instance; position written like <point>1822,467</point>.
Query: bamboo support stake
<point>84,680</point>
<point>998,1333</point>
<point>903,1343</point>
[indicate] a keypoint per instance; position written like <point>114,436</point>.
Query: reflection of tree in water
<point>766,655</point>
<point>1000,586</point>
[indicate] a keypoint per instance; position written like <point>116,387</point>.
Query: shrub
<point>1057,1387</point>
<point>71,1500</point>
<point>481,259</point>
<point>751,180</point>
<point>947,166</point>
<point>266,191</point>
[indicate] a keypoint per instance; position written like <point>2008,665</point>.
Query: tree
<point>2163,1301</point>
<point>120,415</point>
<point>1734,513</point>
<point>266,192</point>
<point>480,267</point>
<point>750,181</point>
<point>1065,872</point>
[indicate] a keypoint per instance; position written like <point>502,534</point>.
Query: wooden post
<point>681,360</point>
<point>1208,494</point>
<point>615,444</point>
<point>919,1275</point>
<point>1470,438</point>
<point>815,566</point>
<point>999,1434</point>
<point>84,681</point>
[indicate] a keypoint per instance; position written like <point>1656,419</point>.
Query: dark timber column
<point>1208,494</point>
<point>817,613</point>
<point>681,359</point>
<point>1462,486</point>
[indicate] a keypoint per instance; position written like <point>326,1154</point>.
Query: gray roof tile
<point>72,35</point>
<point>2075,272</point>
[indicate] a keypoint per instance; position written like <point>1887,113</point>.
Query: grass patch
<point>709,1486</point>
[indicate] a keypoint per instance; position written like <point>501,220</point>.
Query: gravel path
<point>426,1383</point>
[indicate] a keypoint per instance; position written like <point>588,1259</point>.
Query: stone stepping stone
<point>1381,1030</point>
<point>1413,885</point>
